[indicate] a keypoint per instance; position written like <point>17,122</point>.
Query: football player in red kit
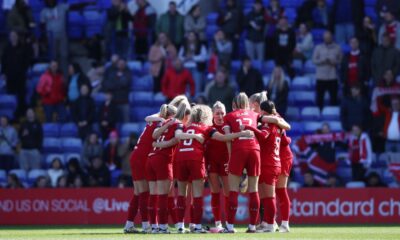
<point>286,157</point>
<point>217,157</point>
<point>138,161</point>
<point>269,138</point>
<point>190,164</point>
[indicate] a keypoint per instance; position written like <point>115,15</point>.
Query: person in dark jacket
<point>20,18</point>
<point>347,17</point>
<point>255,25</point>
<point>171,23</point>
<point>354,110</point>
<point>220,90</point>
<point>99,175</point>
<point>15,62</point>
<point>108,116</point>
<point>74,171</point>
<point>248,78</point>
<point>31,137</point>
<point>118,18</point>
<point>119,84</point>
<point>278,90</point>
<point>83,112</point>
<point>367,37</point>
<point>111,156</point>
<point>229,20</point>
<point>284,45</point>
<point>76,79</point>
<point>354,70</point>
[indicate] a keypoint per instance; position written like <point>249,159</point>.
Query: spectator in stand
<point>222,48</point>
<point>117,33</point>
<point>332,181</point>
<point>255,25</point>
<point>111,155</point>
<point>176,79</point>
<point>96,76</point>
<point>55,172</point>
<point>278,90</point>
<point>83,112</point>
<point>355,110</point>
<point>8,144</point>
<point>20,18</point>
<point>383,6</point>
<point>354,70</point>
<point>15,62</point>
<point>62,182</point>
<point>360,152</point>
<point>41,182</point>
<point>195,22</point>
<point>321,15</point>
<point>284,45</point>
<point>326,57</point>
<point>392,28</point>
<point>160,56</point>
<point>305,12</point>
<point>348,17</point>
<point>119,85</point>
<point>374,180</point>
<point>52,92</point>
<point>304,43</point>
<point>194,55</point>
<point>112,68</point>
<point>144,20</point>
<point>384,58</point>
<point>91,148</point>
<point>74,170</point>
<point>94,47</point>
<point>248,78</point>
<point>13,182</point>
<point>108,116</point>
<point>309,181</point>
<point>326,150</point>
<point>273,13</point>
<point>367,37</point>
<point>229,20</point>
<point>54,28</point>
<point>99,175</point>
<point>78,182</point>
<point>220,90</point>
<point>31,135</point>
<point>171,23</point>
<point>76,79</point>
<point>125,151</point>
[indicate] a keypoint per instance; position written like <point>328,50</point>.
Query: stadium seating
<point>301,83</point>
<point>68,156</point>
<point>128,128</point>
<point>69,130</point>
<point>51,145</point>
<point>51,157</point>
<point>3,177</point>
<point>20,173</point>
<point>293,113</point>
<point>310,113</point>
<point>137,114</point>
<point>331,113</point>
<point>34,174</point>
<point>51,130</point>
<point>355,184</point>
<point>73,145</point>
<point>143,83</point>
<point>8,101</point>
<point>141,99</point>
<point>311,127</point>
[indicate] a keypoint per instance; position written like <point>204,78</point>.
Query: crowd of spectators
<point>355,55</point>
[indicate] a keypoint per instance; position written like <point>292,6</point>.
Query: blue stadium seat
<point>94,22</point>
<point>75,25</point>
<point>298,66</point>
<point>49,159</point>
<point>21,174</point>
<point>370,3</point>
<point>71,145</point>
<point>336,126</point>
<point>128,128</point>
<point>257,65</point>
<point>34,174</point>
<point>139,113</point>
<point>318,34</point>
<point>269,67</point>
<point>69,130</point>
<point>210,31</point>
<point>159,99</point>
<point>291,3</point>
<point>291,14</point>
<point>39,68</point>
<point>311,127</point>
<point>355,184</point>
<point>3,177</point>
<point>293,113</point>
<point>8,112</point>
<point>297,129</point>
<point>344,173</point>
<point>309,67</point>
<point>135,66</point>
<point>104,4</point>
<point>304,98</point>
<point>371,12</point>
<point>51,130</point>
<point>141,98</point>
<point>310,113</point>
<point>235,66</point>
<point>51,145</point>
<point>212,18</point>
<point>99,98</point>
<point>8,101</point>
<point>302,83</point>
<point>331,113</point>
<point>345,48</point>
<point>114,176</point>
<point>144,83</point>
<point>68,156</point>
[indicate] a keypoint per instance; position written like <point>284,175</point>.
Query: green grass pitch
<point>115,232</point>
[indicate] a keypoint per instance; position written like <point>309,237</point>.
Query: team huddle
<point>183,145</point>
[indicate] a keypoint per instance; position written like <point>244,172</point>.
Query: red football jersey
<point>242,117</point>
<point>285,152</point>
<point>216,148</point>
<point>145,140</point>
<point>166,136</point>
<point>191,149</point>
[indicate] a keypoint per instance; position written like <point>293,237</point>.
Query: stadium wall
<point>109,206</point>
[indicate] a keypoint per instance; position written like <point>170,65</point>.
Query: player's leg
<point>132,211</point>
<point>262,196</point>
<point>143,187</point>
<point>171,203</point>
<point>163,188</point>
<point>198,190</point>
<point>153,205</point>
<point>284,202</point>
<point>254,202</point>
<point>225,188</point>
<point>181,206</point>
<point>215,188</point>
<point>234,182</point>
<point>269,205</point>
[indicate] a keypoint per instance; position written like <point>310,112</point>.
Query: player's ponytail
<point>218,105</point>
<point>259,97</point>
<point>178,100</point>
<point>241,101</point>
<point>167,111</point>
<point>183,110</point>
<point>268,107</point>
<point>201,114</point>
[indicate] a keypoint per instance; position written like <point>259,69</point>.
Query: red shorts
<point>138,162</point>
<point>269,175</point>
<point>248,159</point>
<point>189,170</point>
<point>218,164</point>
<point>159,167</point>
<point>286,166</point>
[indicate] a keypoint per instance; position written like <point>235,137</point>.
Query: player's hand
<point>248,134</point>
<point>170,122</point>
<point>199,138</point>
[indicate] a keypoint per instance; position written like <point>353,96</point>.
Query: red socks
<point>163,209</point>
<point>215,206</point>
<point>226,198</point>
<point>152,208</point>
<point>254,207</point>
<point>143,201</point>
<point>197,210</point>
<point>233,204</point>
<point>269,210</point>
<point>284,202</point>
<point>171,209</point>
<point>133,208</point>
<point>180,209</point>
